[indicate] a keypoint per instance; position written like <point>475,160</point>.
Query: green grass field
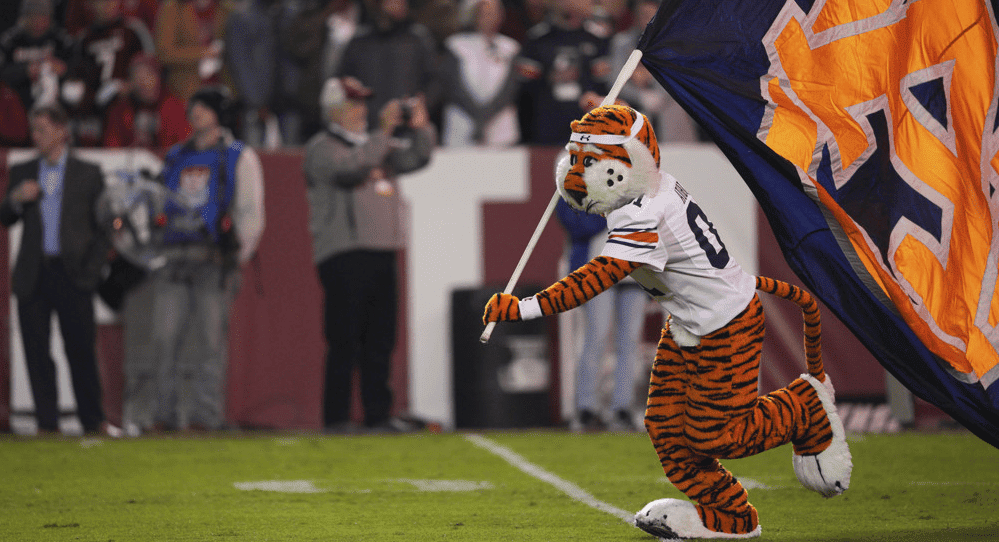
<point>420,487</point>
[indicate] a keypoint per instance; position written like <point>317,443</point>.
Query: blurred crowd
<point>368,89</point>
<point>491,72</point>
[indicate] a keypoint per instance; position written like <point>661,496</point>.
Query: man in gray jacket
<point>355,221</point>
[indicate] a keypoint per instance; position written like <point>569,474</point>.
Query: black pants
<point>360,329</point>
<point>55,293</point>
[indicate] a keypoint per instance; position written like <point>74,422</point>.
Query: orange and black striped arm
<point>584,284</point>
<point>580,286</point>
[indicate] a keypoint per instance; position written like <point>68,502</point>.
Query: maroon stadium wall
<point>277,347</point>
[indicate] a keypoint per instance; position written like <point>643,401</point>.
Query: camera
<point>402,159</point>
<point>406,115</point>
<point>406,111</point>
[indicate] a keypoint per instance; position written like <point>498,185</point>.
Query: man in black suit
<point>58,266</point>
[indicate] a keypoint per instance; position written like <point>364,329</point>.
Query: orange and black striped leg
<point>721,502</point>
<point>725,417</point>
<point>815,433</point>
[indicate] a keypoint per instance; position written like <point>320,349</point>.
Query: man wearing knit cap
<point>212,226</point>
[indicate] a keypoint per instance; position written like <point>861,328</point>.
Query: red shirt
<point>131,123</point>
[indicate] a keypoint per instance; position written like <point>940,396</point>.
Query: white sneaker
<point>672,518</point>
<point>112,431</point>
<point>827,472</point>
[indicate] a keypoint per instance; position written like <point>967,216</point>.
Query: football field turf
<point>528,486</point>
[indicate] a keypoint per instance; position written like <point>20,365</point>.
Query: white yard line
<point>573,491</point>
<point>280,486</point>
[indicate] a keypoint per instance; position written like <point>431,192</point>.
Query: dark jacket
<point>84,245</point>
<point>398,62</point>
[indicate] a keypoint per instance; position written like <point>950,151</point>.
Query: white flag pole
<point>622,78</point>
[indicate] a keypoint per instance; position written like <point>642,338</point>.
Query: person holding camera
<point>396,57</point>
<point>211,225</point>
<point>355,218</point>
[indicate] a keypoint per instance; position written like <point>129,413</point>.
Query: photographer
<point>213,223</point>
<point>355,220</point>
<point>396,57</point>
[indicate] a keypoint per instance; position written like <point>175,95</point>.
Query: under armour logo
<point>584,138</point>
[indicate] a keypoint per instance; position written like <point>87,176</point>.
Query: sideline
<point>573,491</point>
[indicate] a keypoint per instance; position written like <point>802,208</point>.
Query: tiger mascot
<point>703,403</point>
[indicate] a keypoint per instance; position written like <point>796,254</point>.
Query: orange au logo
<point>887,109</point>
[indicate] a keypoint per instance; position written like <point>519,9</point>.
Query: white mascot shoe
<point>671,519</point>
<point>827,472</point>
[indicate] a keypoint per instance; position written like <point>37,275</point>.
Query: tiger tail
<point>810,312</point>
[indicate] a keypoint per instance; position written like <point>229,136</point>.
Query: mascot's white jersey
<point>686,267</point>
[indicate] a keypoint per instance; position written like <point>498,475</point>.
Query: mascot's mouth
<point>577,195</point>
<point>590,206</point>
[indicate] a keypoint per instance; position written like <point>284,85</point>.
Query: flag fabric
<point>867,130</point>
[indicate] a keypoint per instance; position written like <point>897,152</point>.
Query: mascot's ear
<point>561,170</point>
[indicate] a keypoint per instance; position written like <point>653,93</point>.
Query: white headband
<point>610,139</point>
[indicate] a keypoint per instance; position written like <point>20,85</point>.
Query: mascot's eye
<point>572,159</point>
<point>588,161</point>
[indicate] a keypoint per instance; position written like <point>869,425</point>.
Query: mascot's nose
<point>576,195</point>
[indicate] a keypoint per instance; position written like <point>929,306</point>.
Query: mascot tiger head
<point>613,159</point>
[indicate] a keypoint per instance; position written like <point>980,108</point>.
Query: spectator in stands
<point>566,69</point>
<point>148,116</point>
<point>251,56</point>
<point>78,17</point>
<point>288,72</point>
<point>642,91</point>
<point>355,218</point>
<point>619,12</point>
<point>13,119</point>
<point>521,16</point>
<point>35,55</point>
<point>58,266</point>
<point>212,227</point>
<point>99,69</point>
<point>189,37</point>
<point>396,57</point>
<point>479,80</point>
<point>316,39</point>
<point>441,17</point>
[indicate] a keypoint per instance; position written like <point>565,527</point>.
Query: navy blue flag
<point>868,133</point>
